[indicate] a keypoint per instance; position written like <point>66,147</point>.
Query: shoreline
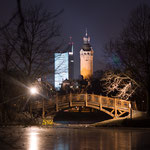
<point>111,123</point>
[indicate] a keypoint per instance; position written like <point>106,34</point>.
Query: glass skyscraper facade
<point>61,68</point>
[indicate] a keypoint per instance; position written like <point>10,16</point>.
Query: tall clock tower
<point>86,58</point>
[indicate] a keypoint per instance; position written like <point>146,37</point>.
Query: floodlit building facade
<point>86,58</point>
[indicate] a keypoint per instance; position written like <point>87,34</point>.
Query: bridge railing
<point>112,106</point>
<point>96,101</point>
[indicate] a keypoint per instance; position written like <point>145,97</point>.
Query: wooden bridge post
<point>100,102</point>
<point>70,100</point>
<point>130,110</point>
<point>86,98</point>
<point>57,103</point>
<point>92,96</point>
<point>115,108</point>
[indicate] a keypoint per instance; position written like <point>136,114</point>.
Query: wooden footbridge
<point>112,106</point>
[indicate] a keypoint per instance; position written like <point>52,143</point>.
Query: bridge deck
<point>112,106</point>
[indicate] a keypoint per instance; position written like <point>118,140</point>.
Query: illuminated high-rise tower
<point>64,66</point>
<point>86,58</point>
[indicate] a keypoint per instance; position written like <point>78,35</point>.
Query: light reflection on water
<point>36,138</point>
<point>33,139</point>
<point>86,139</point>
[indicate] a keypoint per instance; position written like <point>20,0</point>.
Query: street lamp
<point>33,90</point>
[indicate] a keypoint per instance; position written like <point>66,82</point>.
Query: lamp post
<point>43,110</point>
<point>33,91</point>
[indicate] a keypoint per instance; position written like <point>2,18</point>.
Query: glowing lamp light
<point>33,90</point>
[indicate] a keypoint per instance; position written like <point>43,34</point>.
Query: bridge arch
<point>114,107</point>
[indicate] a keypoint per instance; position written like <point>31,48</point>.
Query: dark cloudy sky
<point>103,18</point>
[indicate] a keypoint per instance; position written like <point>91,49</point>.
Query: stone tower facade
<point>86,58</point>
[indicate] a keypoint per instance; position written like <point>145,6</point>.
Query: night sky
<point>104,19</point>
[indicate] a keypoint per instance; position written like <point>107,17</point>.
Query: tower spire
<point>71,43</point>
<point>86,34</point>
<point>86,38</point>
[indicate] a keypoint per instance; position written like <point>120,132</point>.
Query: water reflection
<point>35,138</point>
<point>84,139</point>
<point>91,139</point>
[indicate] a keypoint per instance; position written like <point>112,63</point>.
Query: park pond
<point>73,138</point>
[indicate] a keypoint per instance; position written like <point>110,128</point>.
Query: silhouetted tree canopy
<point>132,47</point>
<point>27,44</point>
<point>29,47</point>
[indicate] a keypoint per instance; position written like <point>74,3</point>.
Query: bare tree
<point>133,48</point>
<point>118,85</point>
<point>27,44</point>
<point>31,50</point>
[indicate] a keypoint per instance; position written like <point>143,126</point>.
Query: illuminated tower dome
<point>86,58</point>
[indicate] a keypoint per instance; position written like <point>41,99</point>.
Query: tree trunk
<point>148,100</point>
